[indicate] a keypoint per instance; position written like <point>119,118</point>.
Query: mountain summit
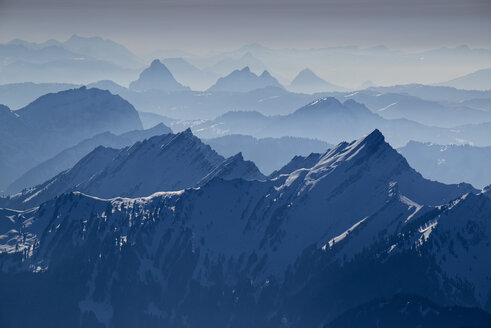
<point>308,82</point>
<point>157,77</point>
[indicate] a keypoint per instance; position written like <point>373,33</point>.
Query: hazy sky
<point>198,26</point>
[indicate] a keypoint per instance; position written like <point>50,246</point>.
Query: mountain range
<point>76,60</point>
<point>429,112</point>
<point>330,120</point>
<point>70,156</point>
<point>269,154</point>
<point>243,81</point>
<point>478,80</point>
<point>139,170</point>
<point>189,74</point>
<point>290,250</point>
<point>450,163</point>
<point>56,121</point>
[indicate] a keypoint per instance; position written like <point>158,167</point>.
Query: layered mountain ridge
<point>55,122</point>
<point>235,245</point>
<point>70,156</point>
<point>243,81</point>
<point>161,163</point>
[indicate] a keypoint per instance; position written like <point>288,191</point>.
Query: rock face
<point>244,80</point>
<point>298,249</point>
<point>157,77</point>
<point>166,162</point>
<point>56,121</point>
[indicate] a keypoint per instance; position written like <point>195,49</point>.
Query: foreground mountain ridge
<point>243,253</point>
<point>161,163</point>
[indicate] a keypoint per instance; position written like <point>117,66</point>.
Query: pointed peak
<point>237,157</point>
<point>306,71</point>
<point>156,63</point>
<point>265,74</point>
<point>187,132</point>
<point>245,70</point>
<point>375,137</point>
<point>369,142</point>
<point>157,67</point>
<point>157,76</point>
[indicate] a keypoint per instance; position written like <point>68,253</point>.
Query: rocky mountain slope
<point>296,250</point>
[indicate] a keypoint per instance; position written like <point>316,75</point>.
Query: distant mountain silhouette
<point>243,81</point>
<point>70,156</point>
<point>307,82</point>
<point>330,120</point>
<point>269,154</point>
<point>55,121</point>
<point>478,80</point>
<point>429,112</point>
<point>450,163</point>
<point>157,77</point>
<point>18,95</point>
<point>228,63</point>
<point>103,49</point>
<point>189,74</point>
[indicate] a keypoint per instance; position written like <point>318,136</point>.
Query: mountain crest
<point>244,80</point>
<point>235,167</point>
<point>157,77</point>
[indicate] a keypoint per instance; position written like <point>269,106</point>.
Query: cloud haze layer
<point>198,26</point>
